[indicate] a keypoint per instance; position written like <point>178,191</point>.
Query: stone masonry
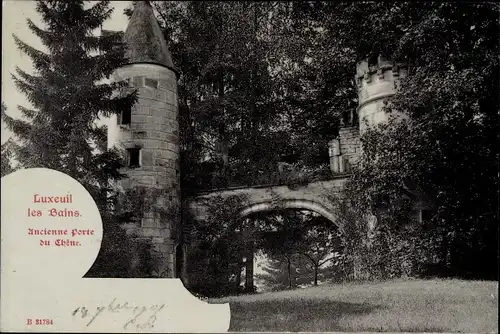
<point>350,147</point>
<point>375,83</point>
<point>151,133</point>
<point>316,196</point>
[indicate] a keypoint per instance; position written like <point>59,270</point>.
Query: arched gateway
<point>149,136</point>
<point>317,196</point>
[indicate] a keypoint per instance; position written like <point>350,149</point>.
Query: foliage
<point>239,97</point>
<point>279,273</point>
<point>216,247</point>
<point>136,203</point>
<point>6,159</point>
<point>322,243</point>
<point>67,94</point>
<point>446,149</point>
<point>266,83</point>
<point>300,243</point>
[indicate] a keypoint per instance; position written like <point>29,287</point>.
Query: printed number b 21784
<point>39,322</point>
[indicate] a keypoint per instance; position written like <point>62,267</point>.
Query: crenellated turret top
<point>144,39</point>
<point>376,83</point>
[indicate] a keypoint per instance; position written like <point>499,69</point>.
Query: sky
<point>14,15</point>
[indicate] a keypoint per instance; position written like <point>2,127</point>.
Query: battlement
<point>376,83</point>
<point>365,71</point>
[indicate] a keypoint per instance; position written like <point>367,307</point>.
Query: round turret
<point>148,133</point>
<point>375,84</point>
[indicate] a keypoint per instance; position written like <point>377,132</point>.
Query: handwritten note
<point>141,316</point>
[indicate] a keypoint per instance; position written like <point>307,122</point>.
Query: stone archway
<point>315,196</point>
<point>299,204</point>
<point>319,197</point>
<point>273,206</point>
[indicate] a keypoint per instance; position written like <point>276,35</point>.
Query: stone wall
<point>316,196</point>
<point>350,147</point>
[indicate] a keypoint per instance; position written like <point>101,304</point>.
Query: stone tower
<point>375,84</point>
<point>148,133</point>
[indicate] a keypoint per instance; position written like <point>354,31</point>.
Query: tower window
<point>125,116</point>
<point>134,157</point>
<point>151,83</point>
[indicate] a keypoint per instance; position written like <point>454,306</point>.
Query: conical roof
<point>144,39</point>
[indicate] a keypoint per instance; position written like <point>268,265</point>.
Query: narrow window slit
<point>134,157</point>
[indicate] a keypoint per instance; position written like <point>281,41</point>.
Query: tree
<point>237,64</point>
<point>280,237</point>
<point>321,243</point>
<point>216,248</point>
<point>5,159</point>
<point>68,94</point>
<point>448,146</point>
<point>278,274</point>
<point>301,241</point>
<point>6,153</point>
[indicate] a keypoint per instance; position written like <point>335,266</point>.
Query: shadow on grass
<point>293,316</point>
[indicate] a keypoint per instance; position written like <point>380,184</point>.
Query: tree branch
<point>323,262</point>
<point>310,258</point>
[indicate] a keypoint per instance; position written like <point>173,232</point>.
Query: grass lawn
<point>396,306</point>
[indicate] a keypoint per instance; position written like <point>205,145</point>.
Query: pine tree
<point>5,159</point>
<point>68,93</point>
